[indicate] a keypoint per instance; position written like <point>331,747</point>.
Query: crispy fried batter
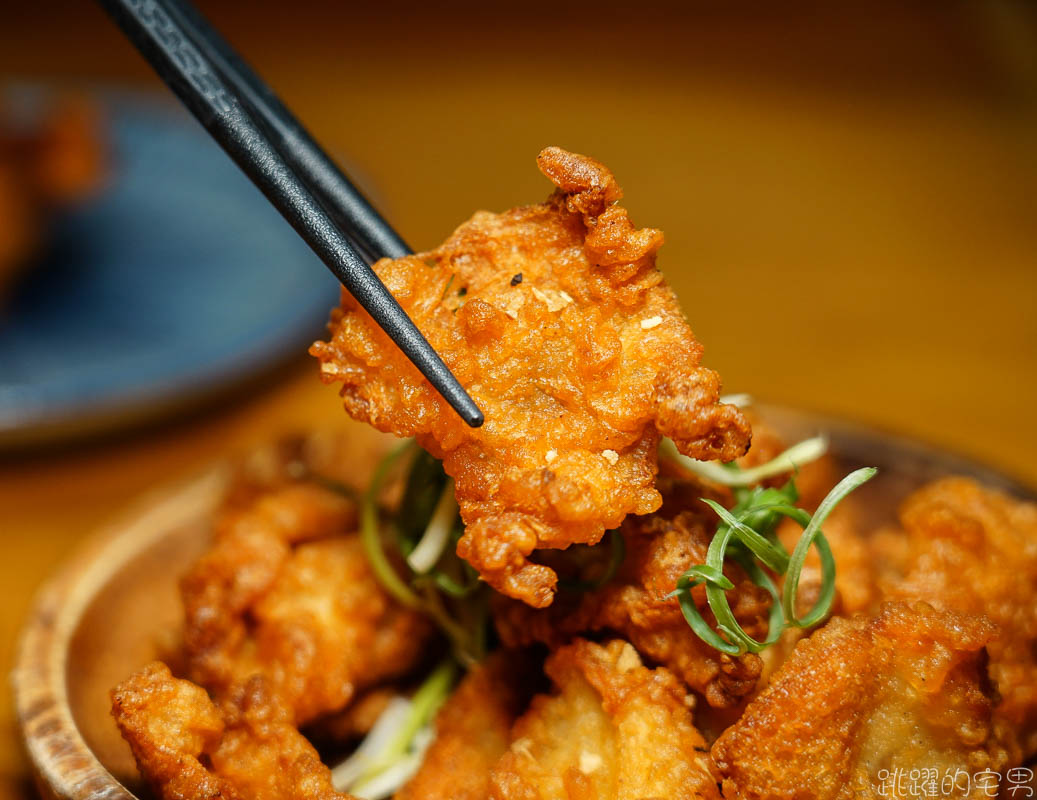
<point>557,321</point>
<point>974,550</point>
<point>188,749</point>
<point>861,698</point>
<point>313,619</point>
<point>634,604</point>
<point>472,732</point>
<point>614,729</point>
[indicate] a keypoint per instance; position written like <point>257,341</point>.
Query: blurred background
<point>848,193</point>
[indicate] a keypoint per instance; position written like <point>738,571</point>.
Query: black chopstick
<point>174,55</point>
<point>357,218</point>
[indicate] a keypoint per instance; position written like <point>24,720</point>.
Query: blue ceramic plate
<point>175,283</point>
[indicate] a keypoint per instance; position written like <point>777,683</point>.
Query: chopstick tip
<point>473,416</point>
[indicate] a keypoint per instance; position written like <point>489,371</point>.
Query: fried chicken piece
<point>613,730</point>
<point>557,321</point>
<point>286,591</point>
<point>862,698</point>
<point>635,605</point>
<point>473,730</point>
<point>974,550</point>
<point>188,749</point>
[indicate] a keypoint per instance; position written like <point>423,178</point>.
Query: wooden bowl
<point>111,607</point>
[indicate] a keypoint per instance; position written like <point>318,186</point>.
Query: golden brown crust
<point>586,185</point>
<point>974,550</point>
<point>578,367</point>
<point>286,592</point>
<point>635,605</point>
<point>614,730</point>
<point>472,731</point>
<point>189,749</point>
<point>169,724</point>
<point>863,697</point>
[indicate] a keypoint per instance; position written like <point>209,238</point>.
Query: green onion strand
<point>432,543</point>
<point>770,553</point>
<point>812,535</point>
<point>370,532</point>
<point>617,554</point>
<point>746,535</point>
<point>792,459</point>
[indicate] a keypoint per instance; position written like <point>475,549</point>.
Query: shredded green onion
<point>812,536</point>
<point>739,400</point>
<point>427,588</point>
<point>617,553</point>
<point>429,549</point>
<point>746,535</point>
<point>371,536</point>
<point>796,456</point>
<point>391,752</point>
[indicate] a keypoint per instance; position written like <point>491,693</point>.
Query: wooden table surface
<point>848,197</point>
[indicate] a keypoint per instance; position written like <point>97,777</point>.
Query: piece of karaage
<point>287,592</point>
<point>869,708</point>
<point>635,605</point>
<point>558,323</point>
<point>613,730</point>
<point>188,748</point>
<point>974,550</point>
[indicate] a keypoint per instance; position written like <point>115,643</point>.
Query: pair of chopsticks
<point>270,146</point>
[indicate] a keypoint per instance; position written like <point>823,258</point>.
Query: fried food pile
<point>308,626</point>
<point>635,605</point>
<point>287,592</point>
<point>556,320</point>
<point>604,695</point>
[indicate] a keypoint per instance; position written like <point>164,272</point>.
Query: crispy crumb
<point>628,658</point>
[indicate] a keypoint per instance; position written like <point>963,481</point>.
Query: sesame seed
<point>651,322</point>
<point>554,300</point>
<point>590,762</point>
<point>550,456</point>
